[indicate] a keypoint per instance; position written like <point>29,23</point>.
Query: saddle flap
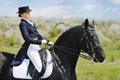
<point>20,71</point>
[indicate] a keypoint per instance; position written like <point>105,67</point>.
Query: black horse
<point>67,48</point>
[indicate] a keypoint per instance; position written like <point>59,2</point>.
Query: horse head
<point>91,43</point>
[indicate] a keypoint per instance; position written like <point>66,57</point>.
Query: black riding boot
<point>36,75</point>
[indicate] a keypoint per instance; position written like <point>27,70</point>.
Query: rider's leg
<point>35,59</point>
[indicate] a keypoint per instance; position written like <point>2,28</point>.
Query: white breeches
<point>34,56</point>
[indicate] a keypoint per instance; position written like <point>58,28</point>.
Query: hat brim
<point>25,11</point>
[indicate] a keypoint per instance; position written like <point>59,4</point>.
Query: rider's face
<point>25,15</point>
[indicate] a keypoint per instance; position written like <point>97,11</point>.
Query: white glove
<point>43,42</point>
<point>50,43</point>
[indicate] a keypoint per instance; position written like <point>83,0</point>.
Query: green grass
<point>9,49</point>
<point>108,70</point>
<point>89,70</point>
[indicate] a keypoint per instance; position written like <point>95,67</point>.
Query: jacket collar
<point>28,22</point>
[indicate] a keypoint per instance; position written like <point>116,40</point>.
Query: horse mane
<point>67,33</point>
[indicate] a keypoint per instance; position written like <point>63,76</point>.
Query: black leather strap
<point>43,55</point>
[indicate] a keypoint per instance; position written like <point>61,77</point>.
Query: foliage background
<point>107,29</point>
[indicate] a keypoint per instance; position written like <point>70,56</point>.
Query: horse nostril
<point>102,59</point>
<point>95,60</point>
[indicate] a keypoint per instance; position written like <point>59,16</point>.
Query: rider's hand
<point>50,43</point>
<point>43,42</point>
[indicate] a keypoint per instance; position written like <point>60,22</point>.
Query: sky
<point>64,8</point>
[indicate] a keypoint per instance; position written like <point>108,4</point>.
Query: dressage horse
<point>66,51</point>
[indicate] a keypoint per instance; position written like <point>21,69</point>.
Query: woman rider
<point>32,41</point>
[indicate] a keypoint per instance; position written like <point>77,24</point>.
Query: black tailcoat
<point>31,36</point>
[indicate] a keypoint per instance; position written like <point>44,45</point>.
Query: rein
<point>68,50</point>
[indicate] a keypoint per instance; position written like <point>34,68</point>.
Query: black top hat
<point>24,9</point>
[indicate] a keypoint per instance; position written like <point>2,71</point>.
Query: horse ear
<point>86,23</point>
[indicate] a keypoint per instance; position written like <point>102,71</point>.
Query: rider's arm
<point>25,34</point>
<point>40,36</point>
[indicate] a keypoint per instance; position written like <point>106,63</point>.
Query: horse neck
<point>70,39</point>
<point>68,60</point>
<point>68,57</point>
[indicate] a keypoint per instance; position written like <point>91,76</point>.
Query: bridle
<point>84,36</point>
<point>91,47</point>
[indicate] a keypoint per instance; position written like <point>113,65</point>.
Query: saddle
<point>28,67</point>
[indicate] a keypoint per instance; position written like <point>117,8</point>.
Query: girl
<point>32,41</point>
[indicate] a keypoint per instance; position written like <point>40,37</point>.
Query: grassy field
<point>109,70</point>
<point>12,50</point>
<point>88,70</point>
